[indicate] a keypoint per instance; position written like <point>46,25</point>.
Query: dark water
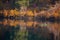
<point>16,29</point>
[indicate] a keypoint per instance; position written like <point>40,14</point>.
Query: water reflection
<point>29,25</point>
<point>28,30</point>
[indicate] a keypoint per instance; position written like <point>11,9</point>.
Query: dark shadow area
<point>8,32</point>
<point>39,33</point>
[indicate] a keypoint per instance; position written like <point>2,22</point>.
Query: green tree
<point>22,2</point>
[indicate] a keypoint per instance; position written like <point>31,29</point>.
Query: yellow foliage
<point>29,23</point>
<point>11,13</point>
<point>30,13</point>
<point>16,12</point>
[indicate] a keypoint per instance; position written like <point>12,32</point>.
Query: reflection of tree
<point>21,34</point>
<point>13,32</point>
<point>38,34</point>
<point>8,32</point>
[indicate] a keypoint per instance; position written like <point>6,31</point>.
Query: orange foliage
<point>5,12</point>
<point>29,23</point>
<point>22,13</point>
<point>56,14</point>
<point>11,13</point>
<point>11,22</point>
<point>16,12</point>
<point>30,13</point>
<point>22,23</point>
<point>5,22</point>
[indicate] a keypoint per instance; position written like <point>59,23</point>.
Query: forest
<point>29,19</point>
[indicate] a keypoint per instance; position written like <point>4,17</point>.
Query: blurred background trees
<point>31,3</point>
